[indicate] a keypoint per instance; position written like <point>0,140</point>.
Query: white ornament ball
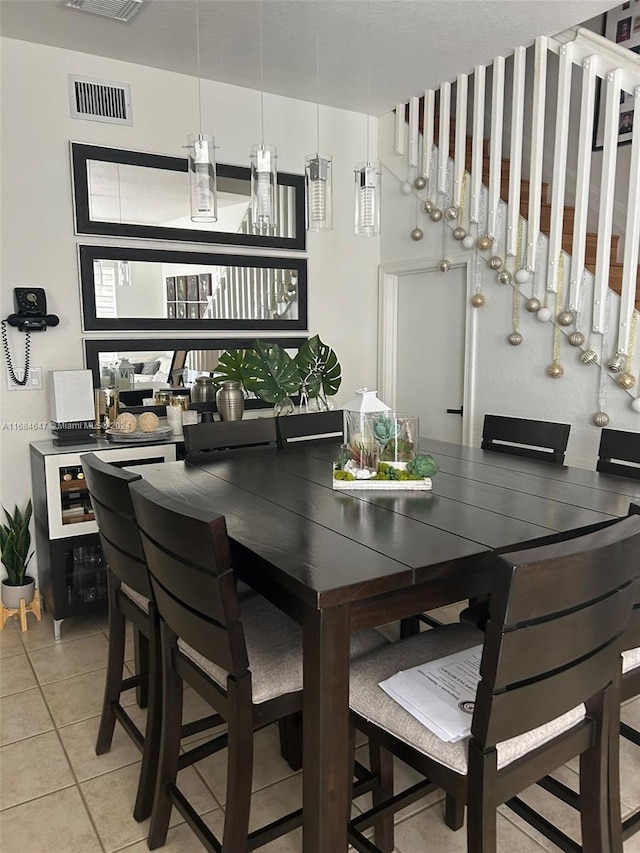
<point>504,277</point>
<point>468,242</point>
<point>522,276</point>
<point>452,213</point>
<point>601,419</point>
<point>420,182</point>
<point>635,404</point>
<point>515,339</point>
<point>495,262</point>
<point>459,234</point>
<point>616,364</point>
<point>436,214</point>
<point>544,315</point>
<point>532,305</point>
<point>576,339</point>
<point>555,370</point>
<point>406,188</point>
<point>478,300</point>
<point>428,206</point>
<point>445,265</point>
<point>417,234</point>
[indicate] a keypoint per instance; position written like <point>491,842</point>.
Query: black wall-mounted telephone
<point>31,307</point>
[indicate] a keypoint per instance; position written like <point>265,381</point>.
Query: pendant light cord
<point>317,76</point>
<point>198,64</point>
<point>261,79</point>
<point>368,69</point>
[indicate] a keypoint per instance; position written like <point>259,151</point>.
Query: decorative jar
<point>230,401</point>
<point>203,390</point>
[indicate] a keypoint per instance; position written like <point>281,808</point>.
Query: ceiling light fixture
<point>318,168</point>
<point>368,174</point>
<point>118,10</point>
<point>202,159</point>
<point>264,175</point>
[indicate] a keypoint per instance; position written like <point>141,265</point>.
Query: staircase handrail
<point>586,43</point>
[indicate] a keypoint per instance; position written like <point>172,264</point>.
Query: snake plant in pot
<point>15,542</point>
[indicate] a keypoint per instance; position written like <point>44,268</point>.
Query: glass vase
<point>283,407</point>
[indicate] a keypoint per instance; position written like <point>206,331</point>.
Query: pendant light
<point>318,167</point>
<point>368,174</point>
<point>264,175</point>
<point>202,159</point>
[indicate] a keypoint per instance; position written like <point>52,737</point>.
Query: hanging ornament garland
<point>601,418</point>
<point>626,379</point>
<point>417,233</point>
<point>555,369</point>
<point>515,338</point>
<point>445,263</point>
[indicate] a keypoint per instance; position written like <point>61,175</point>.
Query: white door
<point>430,356</point>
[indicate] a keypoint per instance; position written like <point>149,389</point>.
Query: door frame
<point>389,282</point>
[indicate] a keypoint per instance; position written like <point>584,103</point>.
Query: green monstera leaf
<point>272,373</point>
<point>319,368</point>
<point>232,366</point>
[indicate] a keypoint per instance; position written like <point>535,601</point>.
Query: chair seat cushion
<point>630,659</point>
<point>370,701</point>
<point>140,600</point>
<point>274,649</point>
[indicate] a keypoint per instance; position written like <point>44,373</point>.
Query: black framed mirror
<point>162,290</point>
<point>119,193</point>
<point>162,363</point>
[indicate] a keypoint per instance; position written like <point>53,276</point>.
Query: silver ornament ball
<point>436,214</point>
<point>635,404</point>
<point>504,277</point>
<point>417,234</point>
<point>484,243</point>
<point>589,356</point>
<point>420,182</point>
<point>495,262</point>
<point>406,188</point>
<point>452,212</point>
<point>532,305</point>
<point>555,370</point>
<point>522,276</point>
<point>565,318</point>
<point>459,234</point>
<point>428,206</point>
<point>616,364</point>
<point>576,339</point>
<point>468,242</point>
<point>478,300</point>
<point>515,339</point>
<point>544,315</point>
<point>445,265</point>
<point>601,419</point>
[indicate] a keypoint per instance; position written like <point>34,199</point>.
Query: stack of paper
<point>441,693</point>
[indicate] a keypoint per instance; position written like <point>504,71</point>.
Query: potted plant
<point>15,541</point>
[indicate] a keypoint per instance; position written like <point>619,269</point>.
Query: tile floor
<point>57,795</point>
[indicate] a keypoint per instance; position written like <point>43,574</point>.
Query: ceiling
<point>404,46</point>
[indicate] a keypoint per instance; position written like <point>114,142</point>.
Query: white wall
<point>39,246</point>
<point>507,380</point>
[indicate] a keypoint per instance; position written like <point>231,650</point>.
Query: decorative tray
<point>139,437</point>
<point>385,485</point>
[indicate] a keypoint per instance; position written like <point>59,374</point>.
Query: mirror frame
<point>93,346</point>
<point>92,323</point>
<point>81,153</point>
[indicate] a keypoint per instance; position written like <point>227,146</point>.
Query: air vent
<point>119,10</point>
<point>100,100</point>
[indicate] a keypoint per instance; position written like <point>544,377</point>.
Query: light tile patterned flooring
<point>57,795</point>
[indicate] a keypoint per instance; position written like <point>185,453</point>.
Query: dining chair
<point>201,441</point>
<point>523,437</point>
<point>548,689</point>
<point>243,658</point>
<point>619,453</point>
<point>311,426</point>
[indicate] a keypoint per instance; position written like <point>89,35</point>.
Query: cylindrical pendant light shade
<point>367,207</point>
<point>202,178</point>
<point>264,182</point>
<point>318,170</point>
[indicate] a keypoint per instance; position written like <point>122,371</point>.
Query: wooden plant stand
<point>22,611</point>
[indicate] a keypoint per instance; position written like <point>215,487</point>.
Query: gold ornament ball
<point>589,356</point>
<point>635,404</point>
<point>459,234</point>
<point>504,277</point>
<point>406,188</point>
<point>555,370</point>
<point>576,339</point>
<point>616,364</point>
<point>626,380</point>
<point>417,234</point>
<point>428,206</point>
<point>495,262</point>
<point>420,182</point>
<point>468,242</point>
<point>445,265</point>
<point>601,419</point>
<point>515,339</point>
<point>451,213</point>
<point>478,300</point>
<point>484,243</point>
<point>532,305</point>
<point>565,318</point>
<point>522,276</point>
<point>436,214</point>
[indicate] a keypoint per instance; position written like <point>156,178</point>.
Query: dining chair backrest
<point>219,435</point>
<point>619,453</point>
<point>552,640</point>
<point>310,426</point>
<point>119,536</point>
<point>194,586</point>
<point>524,437</point>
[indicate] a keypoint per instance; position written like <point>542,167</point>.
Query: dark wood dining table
<point>338,561</point>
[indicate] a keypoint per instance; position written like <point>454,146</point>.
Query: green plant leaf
<point>232,366</point>
<point>319,368</point>
<point>272,373</point>
<point>15,541</point>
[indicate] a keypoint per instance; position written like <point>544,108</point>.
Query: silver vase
<point>230,401</point>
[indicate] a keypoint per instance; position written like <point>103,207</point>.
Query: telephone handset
<point>31,316</point>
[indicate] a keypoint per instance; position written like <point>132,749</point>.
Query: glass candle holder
<point>106,405</point>
<point>398,437</point>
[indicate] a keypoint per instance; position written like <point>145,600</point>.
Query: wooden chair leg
<point>482,815</point>
<point>113,683</point>
<point>453,812</point>
<point>381,762</point>
<point>169,750</point>
<point>148,771</point>
<point>291,740</point>
<point>600,817</point>
<point>141,654</point>
<point>239,770</point>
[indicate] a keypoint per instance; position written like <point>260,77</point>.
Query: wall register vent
<point>118,10</point>
<point>100,100</point>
